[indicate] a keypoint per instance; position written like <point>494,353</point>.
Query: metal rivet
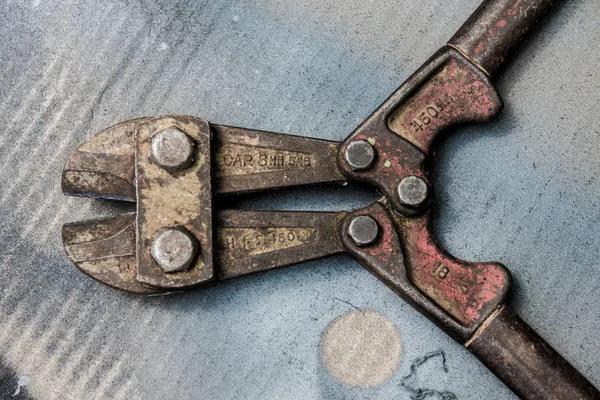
<point>360,155</point>
<point>412,191</point>
<point>363,230</point>
<point>172,149</point>
<point>174,250</point>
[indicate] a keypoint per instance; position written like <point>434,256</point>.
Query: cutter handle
<point>495,28</point>
<point>526,363</point>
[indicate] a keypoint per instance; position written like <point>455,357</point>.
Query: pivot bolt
<point>413,191</point>
<point>360,155</point>
<point>363,230</point>
<point>172,149</point>
<point>174,250</point>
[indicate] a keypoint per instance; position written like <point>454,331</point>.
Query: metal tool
<point>176,168</point>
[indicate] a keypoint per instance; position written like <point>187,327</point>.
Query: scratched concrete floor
<point>522,190</point>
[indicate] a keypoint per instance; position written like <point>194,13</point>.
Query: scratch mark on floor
<point>348,303</point>
<point>410,381</point>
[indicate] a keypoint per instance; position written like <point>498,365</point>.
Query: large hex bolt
<point>363,230</point>
<point>172,149</point>
<point>360,155</point>
<point>174,250</point>
<point>413,191</point>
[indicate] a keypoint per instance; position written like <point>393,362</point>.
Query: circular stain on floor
<point>361,348</point>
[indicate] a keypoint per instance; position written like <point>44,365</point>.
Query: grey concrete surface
<point>522,190</point>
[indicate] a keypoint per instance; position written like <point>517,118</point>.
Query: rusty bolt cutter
<point>174,167</point>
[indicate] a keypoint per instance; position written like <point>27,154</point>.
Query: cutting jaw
<point>104,167</point>
<point>118,164</point>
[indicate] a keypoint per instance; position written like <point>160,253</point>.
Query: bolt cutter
<point>175,168</point>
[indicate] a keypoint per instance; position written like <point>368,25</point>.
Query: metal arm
<point>495,28</point>
<point>525,362</point>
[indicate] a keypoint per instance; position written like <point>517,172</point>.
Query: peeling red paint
<point>399,165</point>
<point>453,95</point>
<point>467,290</point>
<point>387,247</point>
<point>479,48</point>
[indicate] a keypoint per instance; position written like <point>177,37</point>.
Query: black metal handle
<point>526,363</point>
<point>495,28</point>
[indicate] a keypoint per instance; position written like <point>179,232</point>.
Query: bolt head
<point>363,230</point>
<point>360,155</point>
<point>174,250</point>
<point>413,191</point>
<point>172,149</point>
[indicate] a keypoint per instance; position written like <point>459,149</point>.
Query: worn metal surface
<point>104,166</point>
<point>172,149</point>
<point>248,160</point>
<point>468,291</point>
<point>179,200</point>
<point>174,250</point>
<point>494,175</point>
<point>246,242</point>
<point>447,90</point>
<point>363,230</point>
<point>526,363</point>
<point>412,191</point>
<point>256,241</point>
<point>496,28</point>
<point>173,182</point>
<point>385,258</point>
<point>105,250</point>
<point>360,155</point>
<point>245,160</point>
